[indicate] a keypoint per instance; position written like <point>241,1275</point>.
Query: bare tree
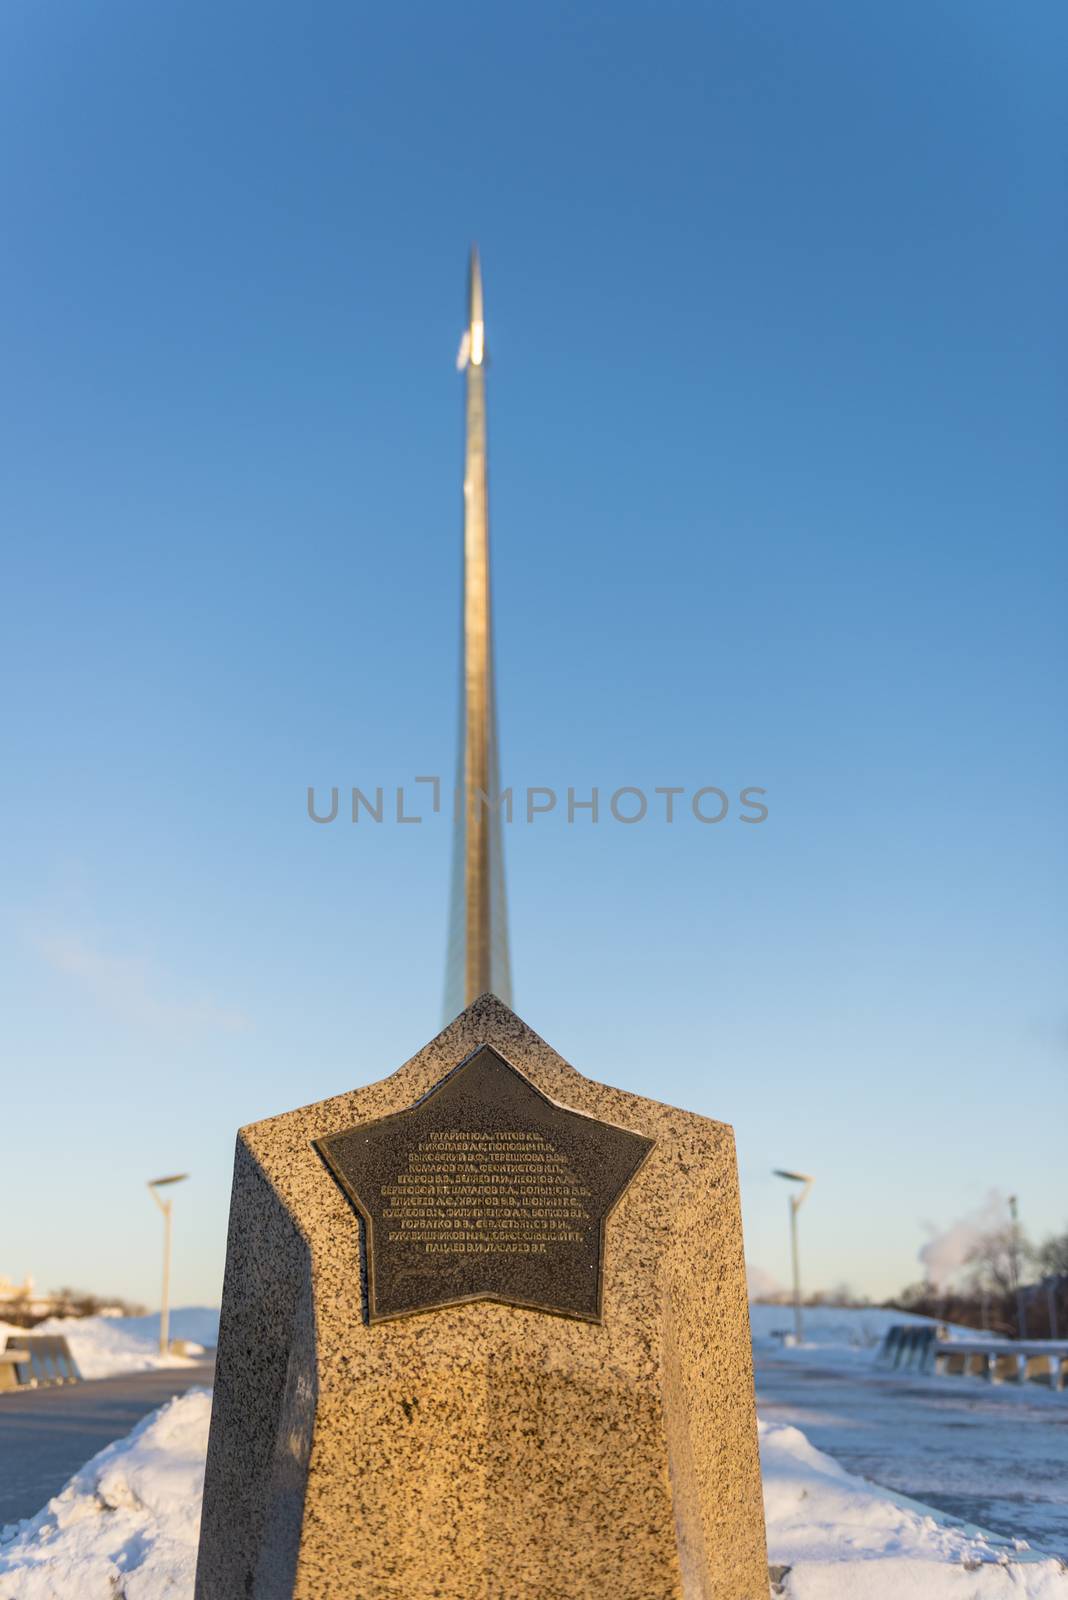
<point>998,1260</point>
<point>1052,1256</point>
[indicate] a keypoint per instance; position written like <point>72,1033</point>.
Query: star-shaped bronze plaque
<point>484,1190</point>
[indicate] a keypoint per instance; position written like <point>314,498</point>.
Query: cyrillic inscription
<point>484,1190</point>
<point>509,1193</point>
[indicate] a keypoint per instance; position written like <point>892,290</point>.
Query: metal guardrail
<point>907,1344</point>
<point>925,1348</point>
<point>10,1362</point>
<point>37,1360</point>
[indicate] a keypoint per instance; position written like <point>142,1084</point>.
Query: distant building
<point>21,1304</point>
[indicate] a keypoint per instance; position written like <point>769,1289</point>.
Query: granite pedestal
<point>475,1346</point>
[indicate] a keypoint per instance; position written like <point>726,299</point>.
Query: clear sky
<point>776,314</point>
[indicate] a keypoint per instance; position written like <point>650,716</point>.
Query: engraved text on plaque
<point>484,1190</point>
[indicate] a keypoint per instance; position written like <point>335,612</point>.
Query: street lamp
<point>1014,1253</point>
<point>796,1202</point>
<point>155,1184</point>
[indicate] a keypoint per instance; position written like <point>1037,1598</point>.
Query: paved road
<point>996,1455</point>
<point>46,1435</point>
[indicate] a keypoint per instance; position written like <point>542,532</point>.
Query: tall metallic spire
<point>478,932</point>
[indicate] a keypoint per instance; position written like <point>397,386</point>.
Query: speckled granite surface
<point>484,1452</point>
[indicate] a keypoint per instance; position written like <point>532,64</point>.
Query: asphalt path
<point>991,1454</point>
<point>47,1435</point>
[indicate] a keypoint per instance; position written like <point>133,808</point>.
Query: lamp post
<point>1052,1285</point>
<point>1014,1250</point>
<point>796,1202</point>
<point>154,1185</point>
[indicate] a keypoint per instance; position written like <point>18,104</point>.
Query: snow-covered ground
<point>842,1538</point>
<point>102,1347</point>
<point>844,1329</point>
<point>125,1528</point>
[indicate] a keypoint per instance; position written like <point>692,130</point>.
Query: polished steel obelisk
<point>478,930</point>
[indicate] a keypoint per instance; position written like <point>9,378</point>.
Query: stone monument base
<point>380,1432</point>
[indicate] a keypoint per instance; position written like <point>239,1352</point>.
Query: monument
<point>484,1331</point>
<point>477,958</point>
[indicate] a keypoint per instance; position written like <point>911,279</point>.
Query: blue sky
<point>777,327</point>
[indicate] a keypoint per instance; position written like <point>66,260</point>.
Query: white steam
<point>946,1254</point>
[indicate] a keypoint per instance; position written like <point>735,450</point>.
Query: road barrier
<point>908,1344</point>
<point>10,1362</point>
<point>926,1348</point>
<point>36,1361</point>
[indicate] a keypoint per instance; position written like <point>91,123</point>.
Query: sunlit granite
<point>484,1451</point>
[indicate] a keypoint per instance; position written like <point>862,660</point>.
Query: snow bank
<point>104,1346</point>
<point>834,1327</point>
<point>843,1538</point>
<point>126,1527</point>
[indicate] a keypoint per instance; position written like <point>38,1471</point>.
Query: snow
<point>844,1538</point>
<point>836,1328</point>
<point>105,1346</point>
<point>125,1528</point>
<point>993,1454</point>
